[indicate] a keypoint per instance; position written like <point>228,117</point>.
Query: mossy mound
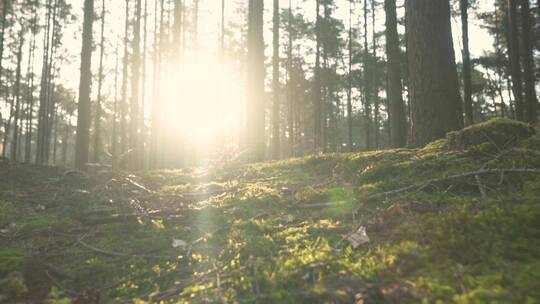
<point>500,132</point>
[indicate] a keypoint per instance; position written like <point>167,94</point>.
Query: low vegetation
<point>449,223</point>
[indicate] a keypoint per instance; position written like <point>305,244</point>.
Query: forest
<point>278,151</point>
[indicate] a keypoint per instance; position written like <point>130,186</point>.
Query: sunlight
<point>202,100</point>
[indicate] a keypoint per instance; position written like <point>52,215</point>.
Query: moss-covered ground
<point>274,232</point>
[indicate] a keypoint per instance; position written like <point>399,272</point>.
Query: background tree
<point>83,112</point>
<point>433,81</point>
<point>255,85</point>
<point>398,120</point>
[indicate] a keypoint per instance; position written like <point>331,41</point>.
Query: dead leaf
<point>359,237</point>
<point>179,243</point>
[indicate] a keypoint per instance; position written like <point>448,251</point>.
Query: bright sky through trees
<point>203,112</point>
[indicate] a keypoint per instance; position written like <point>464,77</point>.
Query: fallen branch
<point>321,205</point>
<point>121,254</point>
<point>450,177</point>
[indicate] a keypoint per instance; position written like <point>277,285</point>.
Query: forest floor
<point>456,222</point>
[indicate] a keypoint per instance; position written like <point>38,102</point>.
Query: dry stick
<point>450,177</point>
<point>121,254</point>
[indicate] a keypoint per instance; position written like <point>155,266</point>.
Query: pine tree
<point>467,81</point>
<point>255,89</point>
<point>83,112</point>
<point>398,120</point>
<point>275,85</point>
<point>435,100</point>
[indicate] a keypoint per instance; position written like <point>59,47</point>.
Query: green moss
<point>501,132</point>
<point>7,213</point>
<point>11,260</point>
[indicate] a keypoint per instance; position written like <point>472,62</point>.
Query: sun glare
<point>202,101</point>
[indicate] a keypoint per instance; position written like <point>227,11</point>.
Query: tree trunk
<point>435,100</point>
<point>30,96</point>
<point>17,97</point>
<point>398,120</point>
<point>42,112</point>
<point>124,105</point>
<point>114,136</point>
<point>97,120</point>
<point>290,87</point>
<point>255,89</point>
<point>2,35</point>
<point>375,84</point>
<point>368,77</point>
<point>276,141</point>
<point>349,85</point>
<point>317,99</point>
<point>514,53</point>
<point>155,127</point>
<point>142,141</point>
<point>467,69</point>
<point>531,103</point>
<point>135,86</point>
<point>83,107</point>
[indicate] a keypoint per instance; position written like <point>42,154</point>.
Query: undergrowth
<point>274,232</point>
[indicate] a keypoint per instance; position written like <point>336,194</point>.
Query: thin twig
<point>121,254</point>
<point>450,177</point>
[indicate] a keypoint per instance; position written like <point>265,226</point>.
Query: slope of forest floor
<point>454,222</point>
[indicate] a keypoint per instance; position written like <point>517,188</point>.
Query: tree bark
<point>17,97</point>
<point>317,98</point>
<point>435,100</point>
<point>290,87</point>
<point>135,88</point>
<point>531,103</point>
<point>398,120</point>
<point>349,85</point>
<point>83,109</point>
<point>514,54</point>
<point>368,76</point>
<point>255,89</point>
<point>97,120</point>
<point>276,141</point>
<point>467,69</point>
<point>124,104</point>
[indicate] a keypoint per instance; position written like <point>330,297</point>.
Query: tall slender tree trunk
<point>2,35</point>
<point>222,34</point>
<point>50,84</point>
<point>367,80</point>
<point>55,131</point>
<point>124,105</point>
<point>65,140</point>
<point>290,87</point>
<point>255,89</point>
<point>398,120</point>
<point>42,112</point>
<point>156,62</point>
<point>467,69</point>
<point>30,90</point>
<point>350,147</point>
<point>114,136</point>
<point>97,119</point>
<point>374,82</point>
<point>195,23</point>
<point>135,89</point>
<point>17,97</point>
<point>514,53</point>
<point>531,103</point>
<point>83,107</point>
<point>142,142</point>
<point>276,132</point>
<point>317,98</point>
<point>435,100</point>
